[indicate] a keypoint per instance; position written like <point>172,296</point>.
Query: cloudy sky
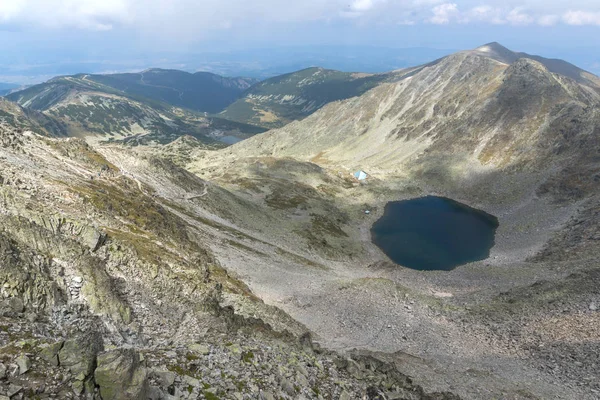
<point>42,31</point>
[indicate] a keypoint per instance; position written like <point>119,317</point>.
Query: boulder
<point>121,376</point>
<point>287,387</point>
<point>16,304</point>
<point>79,354</point>
<point>166,378</point>
<point>49,352</point>
<point>345,396</point>
<point>24,364</point>
<point>93,238</point>
<point>199,348</point>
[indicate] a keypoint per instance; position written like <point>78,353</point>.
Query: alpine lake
<point>434,233</point>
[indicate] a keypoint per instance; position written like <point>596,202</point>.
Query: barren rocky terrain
<point>513,139</point>
<point>183,271</point>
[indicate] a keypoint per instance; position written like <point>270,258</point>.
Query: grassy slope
<point>204,92</point>
<point>282,99</point>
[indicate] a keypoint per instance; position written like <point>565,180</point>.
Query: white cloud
<point>548,20</point>
<point>362,5</point>
<point>517,16</point>
<point>444,13</point>
<point>84,14</point>
<point>487,14</point>
<point>581,18</point>
<point>194,18</point>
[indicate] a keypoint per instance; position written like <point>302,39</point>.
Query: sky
<point>36,36</point>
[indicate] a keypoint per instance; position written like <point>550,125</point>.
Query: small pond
<point>434,233</point>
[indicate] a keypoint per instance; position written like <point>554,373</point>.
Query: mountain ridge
<point>279,100</point>
<point>517,141</point>
<point>91,107</point>
<point>503,54</point>
<point>201,91</point>
<point>462,65</point>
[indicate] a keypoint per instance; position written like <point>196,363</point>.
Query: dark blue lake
<point>434,233</point>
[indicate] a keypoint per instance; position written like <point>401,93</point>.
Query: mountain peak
<point>498,52</point>
<point>501,54</point>
<point>492,47</point>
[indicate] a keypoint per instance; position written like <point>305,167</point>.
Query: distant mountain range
<point>162,105</point>
<point>6,88</point>
<point>143,106</point>
<point>260,63</point>
<point>201,91</point>
<point>167,103</point>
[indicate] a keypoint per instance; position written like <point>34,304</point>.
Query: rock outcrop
<point>120,375</point>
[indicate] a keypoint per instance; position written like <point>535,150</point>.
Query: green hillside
<point>85,106</point>
<point>282,99</point>
<point>201,91</point>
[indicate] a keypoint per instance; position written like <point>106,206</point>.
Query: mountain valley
<point>144,257</point>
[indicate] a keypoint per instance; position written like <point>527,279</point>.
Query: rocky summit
<point>147,264</point>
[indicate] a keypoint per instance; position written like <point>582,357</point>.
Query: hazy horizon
<point>40,39</point>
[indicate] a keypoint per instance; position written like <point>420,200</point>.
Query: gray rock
<point>24,364</point>
<point>593,307</point>
<point>2,371</point>
<point>16,304</point>
<point>267,396</point>
<point>300,368</point>
<point>154,393</point>
<point>93,238</point>
<point>49,352</point>
<point>164,377</point>
<point>120,376</point>
<point>79,354</point>
<point>199,348</point>
<point>287,387</point>
<point>354,369</point>
<point>345,396</point>
<point>302,380</point>
<point>13,390</point>
<point>191,381</point>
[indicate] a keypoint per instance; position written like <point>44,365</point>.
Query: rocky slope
<point>109,289</point>
<point>203,281</point>
<point>512,134</point>
<point>492,113</point>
